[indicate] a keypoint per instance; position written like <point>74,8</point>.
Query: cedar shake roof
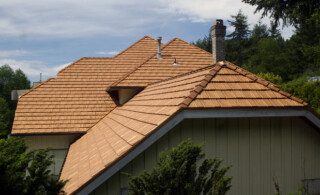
<point>187,55</point>
<point>219,86</point>
<point>234,87</point>
<point>77,99</point>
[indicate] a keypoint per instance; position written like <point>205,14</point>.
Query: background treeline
<point>261,49</point>
<point>9,80</point>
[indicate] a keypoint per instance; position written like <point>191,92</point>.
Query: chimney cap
<point>159,38</point>
<point>218,22</point>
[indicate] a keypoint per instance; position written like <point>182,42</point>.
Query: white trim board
<point>189,114</point>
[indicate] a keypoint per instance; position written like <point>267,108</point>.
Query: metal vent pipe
<point>159,56</point>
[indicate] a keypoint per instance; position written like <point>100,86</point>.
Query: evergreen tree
<point>274,30</point>
<point>259,32</point>
<point>241,26</point>
<point>177,174</point>
<point>237,46</point>
<point>205,43</point>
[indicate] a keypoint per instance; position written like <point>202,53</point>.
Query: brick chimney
<point>218,32</point>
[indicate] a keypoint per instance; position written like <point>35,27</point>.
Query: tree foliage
<point>237,46</point>
<point>262,48</point>
<point>274,30</point>
<point>307,91</point>
<point>259,31</point>
<point>205,43</point>
<point>294,12</point>
<point>240,25</point>
<point>6,116</point>
<point>177,173</point>
<point>301,88</point>
<point>25,172</point>
<point>9,80</point>
<point>269,56</point>
<point>303,48</point>
<point>269,76</point>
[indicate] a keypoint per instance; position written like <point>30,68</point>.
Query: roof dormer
<point>120,95</point>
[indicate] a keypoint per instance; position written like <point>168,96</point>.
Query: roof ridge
<point>130,72</point>
<point>32,89</point>
<point>138,66</point>
<point>144,37</point>
<point>194,46</point>
<point>264,82</point>
<point>82,58</point>
<point>98,57</point>
<point>184,74</point>
<point>199,87</point>
<point>70,65</point>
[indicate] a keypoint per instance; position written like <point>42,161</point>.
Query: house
<point>105,116</point>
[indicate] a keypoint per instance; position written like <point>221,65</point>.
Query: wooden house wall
<point>58,143</point>
<point>260,150</point>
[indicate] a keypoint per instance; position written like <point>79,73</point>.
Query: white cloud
<point>209,10</point>
<point>107,53</point>
<point>33,68</point>
<point>206,10</point>
<point>12,53</point>
<point>59,67</point>
<point>73,18</point>
<point>76,18</point>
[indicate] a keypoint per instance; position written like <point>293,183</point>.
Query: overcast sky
<point>44,36</point>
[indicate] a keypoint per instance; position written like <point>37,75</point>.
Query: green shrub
<point>177,173</point>
<point>307,91</point>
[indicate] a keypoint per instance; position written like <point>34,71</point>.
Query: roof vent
<point>175,62</point>
<point>159,56</point>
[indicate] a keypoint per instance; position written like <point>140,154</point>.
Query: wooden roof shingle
<point>77,98</point>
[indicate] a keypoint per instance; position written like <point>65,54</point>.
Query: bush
<point>177,174</point>
<point>307,91</point>
<point>25,172</point>
<point>269,76</point>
